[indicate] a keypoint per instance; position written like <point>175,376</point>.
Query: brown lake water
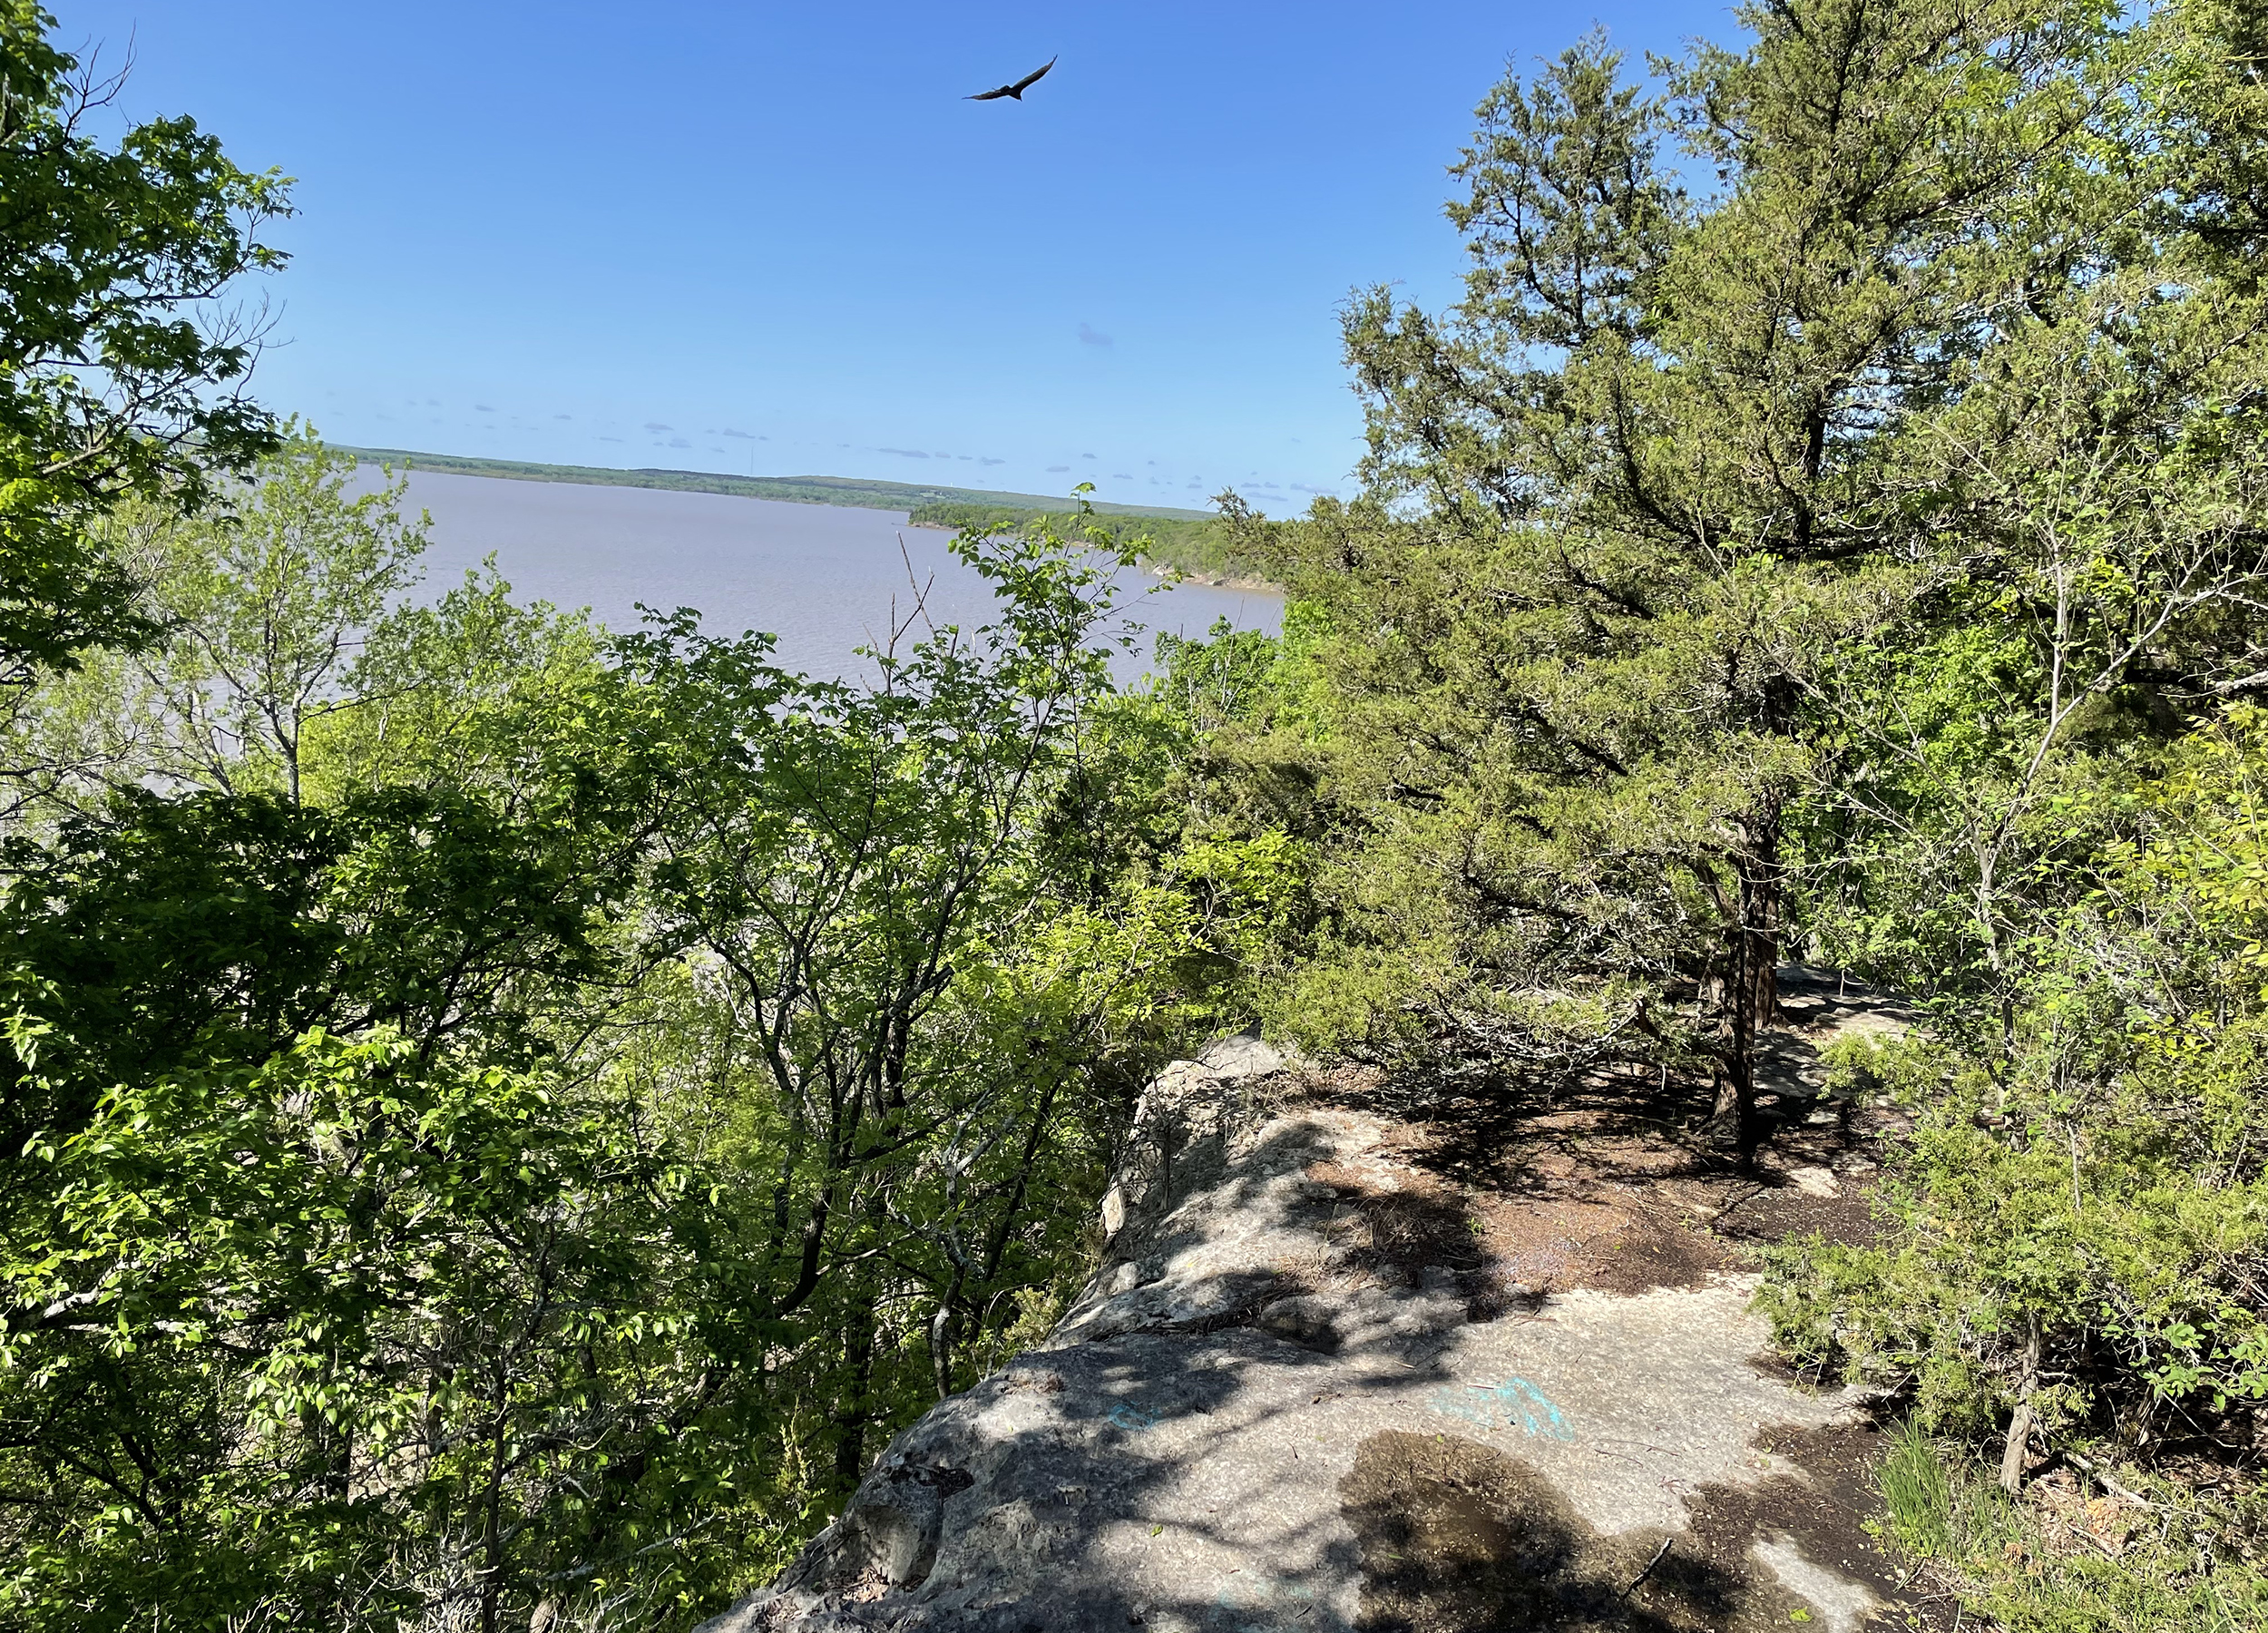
<point>822,579</point>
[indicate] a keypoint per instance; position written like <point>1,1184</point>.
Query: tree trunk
<point>941,1342</point>
<point>2021,1420</point>
<point>1736,1065</point>
<point>492,1543</point>
<point>1759,870</point>
<point>857,1407</point>
<point>1747,995</point>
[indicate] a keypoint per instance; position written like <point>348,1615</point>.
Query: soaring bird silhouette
<point>1016,90</point>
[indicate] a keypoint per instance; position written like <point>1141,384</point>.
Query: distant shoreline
<point>1176,546</point>
<point>860,491</point>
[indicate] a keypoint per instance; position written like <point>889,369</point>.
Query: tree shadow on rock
<point>1454,1537</point>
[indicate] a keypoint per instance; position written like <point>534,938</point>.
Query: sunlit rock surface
<point>1234,1430</point>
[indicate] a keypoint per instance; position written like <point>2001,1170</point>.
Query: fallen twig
<point>1658,1554</point>
<point>2101,1476</point>
<point>1749,1195</point>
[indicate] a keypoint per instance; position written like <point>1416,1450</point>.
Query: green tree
<point>266,604</point>
<point>1630,501</point>
<point>849,859</point>
<point>120,370</point>
<point>288,656</point>
<point>301,1196</point>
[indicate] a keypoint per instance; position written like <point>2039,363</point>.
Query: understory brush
<point>2069,1556</point>
<point>2074,1261</point>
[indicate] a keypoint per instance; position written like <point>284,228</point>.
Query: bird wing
<point>989,95</point>
<point>1033,77</point>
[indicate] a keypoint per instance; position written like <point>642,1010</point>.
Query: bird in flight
<point>1016,90</point>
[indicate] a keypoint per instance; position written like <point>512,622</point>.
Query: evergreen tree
<point>1662,464</point>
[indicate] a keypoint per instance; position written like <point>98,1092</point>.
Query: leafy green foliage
<point>2103,1186</point>
<point>1223,678</point>
<point>289,648</point>
<point>367,1303</point>
<point>116,368</point>
<point>508,1116</point>
<point>310,1248</point>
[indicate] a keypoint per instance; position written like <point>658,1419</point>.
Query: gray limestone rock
<point>1815,1182</point>
<point>1199,1445</point>
<point>1242,1056</point>
<point>1305,1320</point>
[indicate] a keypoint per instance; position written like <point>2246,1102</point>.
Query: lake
<point>821,578</point>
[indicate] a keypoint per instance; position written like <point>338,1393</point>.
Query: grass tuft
<point>1917,1492</point>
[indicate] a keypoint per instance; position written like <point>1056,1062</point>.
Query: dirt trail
<point>1357,1362</point>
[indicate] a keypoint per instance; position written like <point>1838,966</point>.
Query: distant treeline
<point>803,490</point>
<point>1203,547</point>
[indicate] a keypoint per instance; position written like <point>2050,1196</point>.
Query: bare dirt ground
<point>1569,1196</point>
<point>1368,1358</point>
<point>1606,1182</point>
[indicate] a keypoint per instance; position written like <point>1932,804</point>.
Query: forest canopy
<point>505,1117</point>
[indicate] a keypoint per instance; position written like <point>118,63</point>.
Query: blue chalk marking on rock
<point>1127,1415</point>
<point>1513,1404</point>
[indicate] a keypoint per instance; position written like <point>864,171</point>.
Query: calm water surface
<point>821,578</point>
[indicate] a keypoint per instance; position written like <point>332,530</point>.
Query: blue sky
<point>764,237</point>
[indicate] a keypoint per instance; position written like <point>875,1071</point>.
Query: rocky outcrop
<point>1241,1426</point>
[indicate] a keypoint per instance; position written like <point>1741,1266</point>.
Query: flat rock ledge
<point>1230,1430</point>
